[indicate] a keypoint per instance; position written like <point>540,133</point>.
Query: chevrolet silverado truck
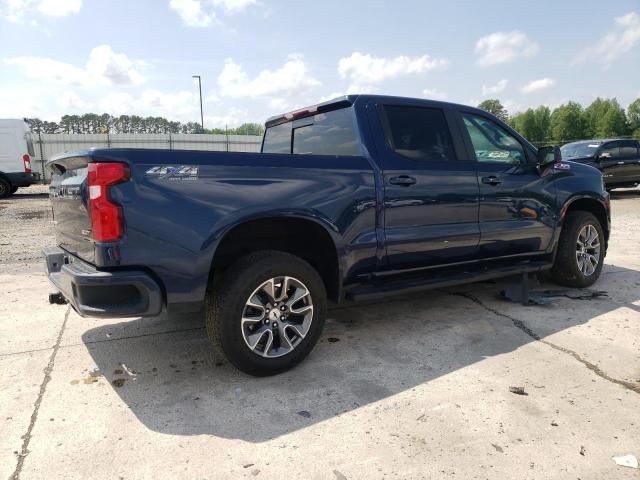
<point>352,199</point>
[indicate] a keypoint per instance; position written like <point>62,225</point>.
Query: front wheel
<point>581,250</point>
<point>267,311</point>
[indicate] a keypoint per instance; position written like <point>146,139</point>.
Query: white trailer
<point>16,152</point>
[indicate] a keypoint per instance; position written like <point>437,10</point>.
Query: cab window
<point>492,143</point>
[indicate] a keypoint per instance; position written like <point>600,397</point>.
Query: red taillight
<point>106,216</point>
<point>27,163</point>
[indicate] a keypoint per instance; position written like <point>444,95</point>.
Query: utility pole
<point>200,88</point>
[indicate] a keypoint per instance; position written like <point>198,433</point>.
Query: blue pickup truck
<point>356,198</point>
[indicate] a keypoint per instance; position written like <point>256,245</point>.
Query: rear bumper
<point>21,179</point>
<point>94,293</point>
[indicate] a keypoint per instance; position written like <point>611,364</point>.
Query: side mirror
<point>548,155</point>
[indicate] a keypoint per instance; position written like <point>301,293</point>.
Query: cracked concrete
<point>413,387</point>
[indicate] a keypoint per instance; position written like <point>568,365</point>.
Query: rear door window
<point>628,149</point>
<point>419,133</point>
<point>492,143</point>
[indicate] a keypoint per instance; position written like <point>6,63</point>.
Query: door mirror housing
<point>548,155</point>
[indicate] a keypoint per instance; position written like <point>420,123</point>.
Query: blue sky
<point>262,57</point>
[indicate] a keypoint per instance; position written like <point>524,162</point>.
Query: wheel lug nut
<point>281,317</point>
<point>283,308</point>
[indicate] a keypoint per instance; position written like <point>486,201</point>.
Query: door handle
<point>491,180</point>
<point>404,180</point>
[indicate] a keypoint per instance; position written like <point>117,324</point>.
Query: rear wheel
<point>5,188</point>
<point>581,249</point>
<point>266,313</point>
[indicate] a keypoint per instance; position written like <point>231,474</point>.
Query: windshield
<point>579,149</point>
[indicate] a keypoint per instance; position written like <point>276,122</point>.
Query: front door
<point>430,189</point>
<point>517,214</point>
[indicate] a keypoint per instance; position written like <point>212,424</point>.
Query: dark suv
<point>618,160</point>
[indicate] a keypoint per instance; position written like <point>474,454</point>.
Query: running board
<point>410,284</point>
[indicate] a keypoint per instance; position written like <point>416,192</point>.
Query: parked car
<point>618,160</point>
<point>352,199</point>
<point>16,151</point>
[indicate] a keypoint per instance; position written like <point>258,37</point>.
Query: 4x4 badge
<point>173,172</point>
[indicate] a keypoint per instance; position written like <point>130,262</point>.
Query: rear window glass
<point>330,133</point>
<point>277,139</point>
<point>419,133</point>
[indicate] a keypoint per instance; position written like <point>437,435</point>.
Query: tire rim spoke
<point>277,316</point>
<point>588,250</point>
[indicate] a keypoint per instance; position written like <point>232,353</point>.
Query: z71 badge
<point>173,172</point>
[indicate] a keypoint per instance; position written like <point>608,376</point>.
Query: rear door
<point>516,203</point>
<point>10,151</point>
<point>430,188</point>
<point>630,156</point>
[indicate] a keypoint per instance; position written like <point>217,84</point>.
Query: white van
<point>16,152</point>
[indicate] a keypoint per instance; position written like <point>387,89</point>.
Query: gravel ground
<point>413,387</point>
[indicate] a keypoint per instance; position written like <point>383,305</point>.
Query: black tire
<point>14,190</point>
<point>5,188</point>
<point>226,299</point>
<point>565,269</point>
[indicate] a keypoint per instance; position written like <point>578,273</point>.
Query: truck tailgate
<point>69,200</point>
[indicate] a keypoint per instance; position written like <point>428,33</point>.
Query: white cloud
<point>232,6</point>
<point>58,72</point>
<point>104,66</point>
<point>59,8</point>
<point>535,86</point>
<point>192,13</point>
<point>232,118</point>
<point>203,13</point>
<point>624,37</point>
<point>182,105</point>
<point>365,70</point>
<point>493,89</point>
<point>292,78</point>
<point>17,10</point>
<point>504,47</point>
<point>435,94</point>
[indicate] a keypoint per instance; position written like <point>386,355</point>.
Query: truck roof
<point>347,100</point>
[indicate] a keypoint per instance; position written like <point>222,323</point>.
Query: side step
<point>433,279</point>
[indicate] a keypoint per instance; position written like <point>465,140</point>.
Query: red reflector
<point>27,163</point>
<point>106,216</point>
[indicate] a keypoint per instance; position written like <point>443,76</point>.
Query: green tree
<point>567,123</point>
<point>605,118</point>
<point>532,124</point>
<point>633,117</point>
<point>493,105</point>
